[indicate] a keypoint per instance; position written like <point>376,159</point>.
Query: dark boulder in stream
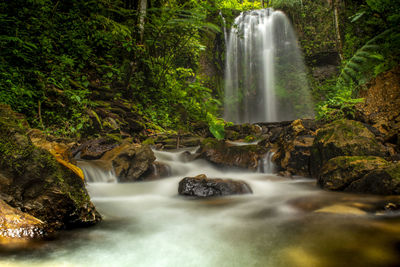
<point>34,182</point>
<point>201,186</point>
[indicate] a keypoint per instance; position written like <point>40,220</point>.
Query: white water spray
<point>265,79</point>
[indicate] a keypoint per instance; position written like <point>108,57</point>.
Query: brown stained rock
<point>130,161</point>
<point>225,154</point>
<point>203,187</point>
<point>294,147</point>
<point>15,224</point>
<point>59,150</point>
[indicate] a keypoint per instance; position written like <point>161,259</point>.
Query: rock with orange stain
<point>17,224</point>
<point>32,180</point>
<point>59,150</point>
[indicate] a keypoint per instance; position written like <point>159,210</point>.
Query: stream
<point>285,222</point>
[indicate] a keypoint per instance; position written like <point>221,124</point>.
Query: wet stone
<point>203,187</point>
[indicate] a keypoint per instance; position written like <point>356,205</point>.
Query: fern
<point>355,68</point>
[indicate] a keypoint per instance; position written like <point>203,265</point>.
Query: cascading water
<point>97,171</point>
<point>265,78</point>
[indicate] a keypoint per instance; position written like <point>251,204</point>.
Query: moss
<point>148,141</point>
<point>36,177</point>
<point>394,171</point>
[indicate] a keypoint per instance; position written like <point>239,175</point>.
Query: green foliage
<point>47,48</point>
<point>371,46</point>
<point>239,5</point>
<point>59,56</point>
<point>216,127</point>
<point>368,60</point>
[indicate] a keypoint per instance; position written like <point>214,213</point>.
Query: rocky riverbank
<point>39,194</point>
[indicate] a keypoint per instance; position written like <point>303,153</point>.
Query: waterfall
<point>265,79</point>
<point>224,27</point>
<point>97,171</point>
<point>266,165</point>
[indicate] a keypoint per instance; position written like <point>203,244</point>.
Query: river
<point>285,222</point>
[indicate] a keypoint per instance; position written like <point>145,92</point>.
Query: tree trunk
<point>339,42</point>
<point>142,16</point>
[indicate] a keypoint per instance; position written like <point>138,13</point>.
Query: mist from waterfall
<point>265,79</point>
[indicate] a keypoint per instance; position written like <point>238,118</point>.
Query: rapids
<point>286,222</point>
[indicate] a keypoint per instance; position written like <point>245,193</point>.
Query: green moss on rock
<point>35,182</point>
<point>343,138</point>
<point>338,173</point>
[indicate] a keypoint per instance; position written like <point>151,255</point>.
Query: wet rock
<point>340,172</point>
<point>381,181</point>
<point>156,171</point>
<point>175,141</point>
<point>201,186</point>
<point>294,147</point>
<point>96,148</point>
<point>241,131</point>
<point>226,154</point>
<point>343,138</point>
<point>15,225</point>
<point>186,156</point>
<point>60,151</point>
<point>130,161</point>
<point>33,181</point>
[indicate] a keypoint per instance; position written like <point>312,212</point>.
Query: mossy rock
<point>33,180</point>
<point>343,138</point>
<point>225,154</point>
<point>381,181</point>
<point>338,173</point>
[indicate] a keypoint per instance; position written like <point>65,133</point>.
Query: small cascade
<point>266,165</point>
<point>97,171</point>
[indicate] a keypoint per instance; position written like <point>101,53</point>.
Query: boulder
<point>130,160</point>
<point>343,138</point>
<point>201,186</point>
<point>157,170</point>
<point>381,181</point>
<point>227,154</point>
<point>16,225</point>
<point>95,148</point>
<point>294,147</point>
<point>33,181</point>
<point>340,172</point>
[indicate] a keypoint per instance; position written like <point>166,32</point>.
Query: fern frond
<point>353,70</point>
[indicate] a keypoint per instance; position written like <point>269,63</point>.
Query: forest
<point>200,133</point>
<point>60,61</point>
